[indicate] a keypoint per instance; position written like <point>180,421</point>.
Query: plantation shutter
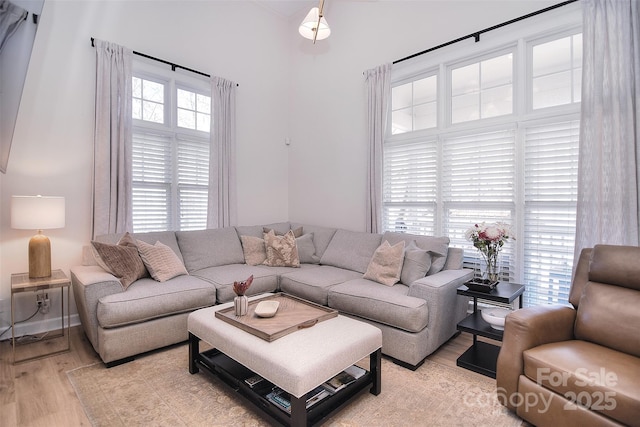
<point>409,190</point>
<point>551,164</point>
<point>152,170</point>
<point>478,180</point>
<point>193,181</point>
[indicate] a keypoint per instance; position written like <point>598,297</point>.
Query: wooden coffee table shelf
<point>233,375</point>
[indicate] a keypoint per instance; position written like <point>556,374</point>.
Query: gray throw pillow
<point>307,249</point>
<point>417,263</point>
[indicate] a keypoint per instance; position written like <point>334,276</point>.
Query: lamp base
<point>39,256</point>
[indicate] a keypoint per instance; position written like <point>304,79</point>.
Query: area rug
<point>157,390</point>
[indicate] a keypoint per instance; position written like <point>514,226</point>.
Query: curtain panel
<point>11,17</point>
<point>112,176</point>
<point>222,201</point>
<point>608,210</point>
<point>378,81</point>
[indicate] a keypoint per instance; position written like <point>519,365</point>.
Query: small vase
<point>241,305</point>
<point>490,269</point>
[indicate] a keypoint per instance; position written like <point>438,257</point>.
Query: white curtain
<point>11,17</point>
<point>222,203</point>
<point>378,82</point>
<point>112,211</point>
<point>609,173</point>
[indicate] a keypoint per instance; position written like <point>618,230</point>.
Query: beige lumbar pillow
<point>255,253</point>
<point>163,264</point>
<point>281,250</point>
<point>386,264</point>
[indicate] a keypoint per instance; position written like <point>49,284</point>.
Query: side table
<point>482,357</point>
<point>21,282</point>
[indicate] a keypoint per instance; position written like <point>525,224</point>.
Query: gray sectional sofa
<point>415,318</point>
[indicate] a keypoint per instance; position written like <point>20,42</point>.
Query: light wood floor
<point>38,393</point>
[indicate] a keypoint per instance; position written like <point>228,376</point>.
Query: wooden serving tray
<point>293,314</point>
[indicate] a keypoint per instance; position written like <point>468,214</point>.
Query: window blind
<point>410,184</point>
<point>551,164</point>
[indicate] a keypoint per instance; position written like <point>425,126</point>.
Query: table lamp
<point>38,213</point>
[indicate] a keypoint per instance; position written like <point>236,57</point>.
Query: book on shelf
<point>344,378</point>
<point>282,399</point>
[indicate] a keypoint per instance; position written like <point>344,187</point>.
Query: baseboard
<point>38,326</point>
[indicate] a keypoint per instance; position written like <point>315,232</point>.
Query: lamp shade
<point>37,212</point>
<point>309,24</point>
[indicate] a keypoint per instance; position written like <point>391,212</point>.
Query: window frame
<point>521,38</point>
<point>173,80</point>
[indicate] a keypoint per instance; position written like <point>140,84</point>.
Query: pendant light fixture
<point>314,26</point>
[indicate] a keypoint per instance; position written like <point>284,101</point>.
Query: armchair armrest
<point>524,329</point>
<point>446,307</point>
<point>90,283</point>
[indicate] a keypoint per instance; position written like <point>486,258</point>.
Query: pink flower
<point>241,287</point>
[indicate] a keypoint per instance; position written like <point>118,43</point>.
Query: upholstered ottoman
<point>297,362</point>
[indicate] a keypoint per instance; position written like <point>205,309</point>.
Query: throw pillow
<point>297,232</point>
<point>163,264</point>
<point>307,249</point>
<point>386,264</point>
<point>417,263</point>
<point>254,250</point>
<point>121,260</point>
<point>282,251</point>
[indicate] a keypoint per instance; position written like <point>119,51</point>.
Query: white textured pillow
<point>281,250</point>
<point>254,250</point>
<point>386,264</point>
<point>163,264</point>
<point>417,263</point>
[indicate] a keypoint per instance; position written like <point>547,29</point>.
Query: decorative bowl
<point>495,317</point>
<point>267,308</point>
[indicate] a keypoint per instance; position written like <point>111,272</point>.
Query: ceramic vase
<point>241,305</point>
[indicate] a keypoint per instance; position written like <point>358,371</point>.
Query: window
<point>501,144</point>
<point>170,153</point>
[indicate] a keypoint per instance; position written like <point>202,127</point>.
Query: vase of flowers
<point>489,239</point>
<point>241,302</point>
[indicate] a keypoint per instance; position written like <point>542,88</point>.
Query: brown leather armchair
<point>580,366</point>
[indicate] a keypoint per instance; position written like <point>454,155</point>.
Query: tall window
<point>492,136</point>
<point>170,152</point>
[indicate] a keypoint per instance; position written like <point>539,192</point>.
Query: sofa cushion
<point>254,251</point>
<point>587,373</point>
<point>147,299</point>
<point>297,232</point>
<point>351,250</point>
<point>161,262</point>
<point>386,264</point>
<point>282,251</point>
<point>608,315</point>
<point>210,248</point>
<point>417,263</point>
<point>258,230</point>
<point>321,236</point>
<point>437,246</point>
<point>313,283</point>
<point>121,260</point>
<point>307,249</point>
<point>384,304</point>
<point>222,277</point>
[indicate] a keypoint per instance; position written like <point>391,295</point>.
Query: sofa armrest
<point>90,283</point>
<point>524,329</point>
<point>446,307</point>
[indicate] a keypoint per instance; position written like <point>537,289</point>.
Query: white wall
<point>53,144</point>
<point>328,157</point>
<point>314,94</point>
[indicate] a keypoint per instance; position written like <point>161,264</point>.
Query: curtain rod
<point>476,35</point>
<point>173,65</point>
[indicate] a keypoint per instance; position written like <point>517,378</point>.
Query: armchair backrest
<point>606,294</point>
